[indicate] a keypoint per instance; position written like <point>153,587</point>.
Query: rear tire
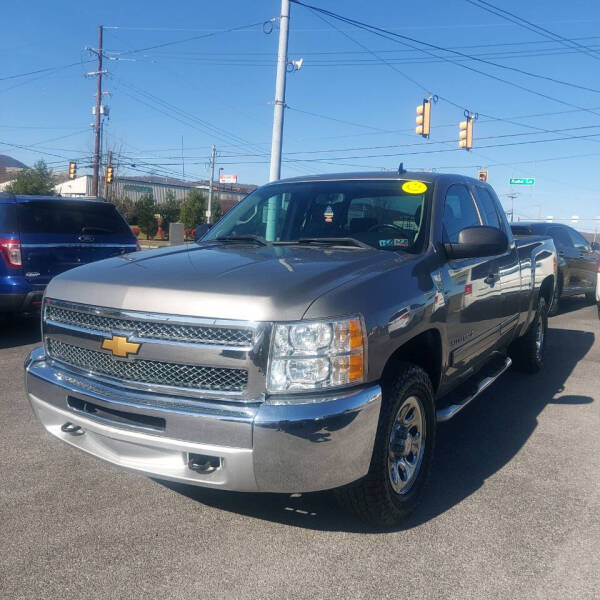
<point>555,301</point>
<point>528,351</point>
<point>402,453</point>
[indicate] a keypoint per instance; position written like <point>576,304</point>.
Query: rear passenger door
<point>568,257</point>
<point>506,266</point>
<point>585,261</point>
<point>472,290</point>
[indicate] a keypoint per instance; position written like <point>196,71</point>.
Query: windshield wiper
<point>93,229</point>
<point>242,238</point>
<point>335,241</point>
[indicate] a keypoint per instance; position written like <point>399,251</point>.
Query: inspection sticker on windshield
<point>414,187</point>
<point>393,243</point>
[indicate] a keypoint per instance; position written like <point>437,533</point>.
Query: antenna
<point>401,169</point>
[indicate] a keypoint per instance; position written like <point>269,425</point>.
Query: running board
<point>446,413</point>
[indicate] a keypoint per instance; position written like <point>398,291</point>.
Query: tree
<point>146,210</point>
<point>193,209</point>
<point>169,211</point>
<point>38,181</point>
<point>126,206</point>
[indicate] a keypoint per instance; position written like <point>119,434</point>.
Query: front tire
<point>402,453</point>
<point>528,351</point>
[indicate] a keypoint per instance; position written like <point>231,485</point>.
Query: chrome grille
<point>170,332</point>
<point>150,371</point>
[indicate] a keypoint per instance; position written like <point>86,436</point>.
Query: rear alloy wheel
<point>402,453</point>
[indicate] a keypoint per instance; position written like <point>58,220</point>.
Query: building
<point>135,187</point>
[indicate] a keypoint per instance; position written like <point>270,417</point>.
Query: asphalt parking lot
<point>512,509</point>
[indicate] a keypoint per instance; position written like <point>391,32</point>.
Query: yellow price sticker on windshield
<point>414,187</point>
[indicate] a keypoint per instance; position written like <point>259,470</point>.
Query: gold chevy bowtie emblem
<point>119,346</point>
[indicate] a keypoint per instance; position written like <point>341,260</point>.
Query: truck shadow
<point>470,448</point>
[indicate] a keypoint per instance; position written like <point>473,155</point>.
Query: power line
<point>524,23</point>
<point>386,34</point>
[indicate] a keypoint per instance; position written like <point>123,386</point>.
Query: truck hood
<point>235,281</point>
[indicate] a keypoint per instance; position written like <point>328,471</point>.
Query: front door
<point>471,290</point>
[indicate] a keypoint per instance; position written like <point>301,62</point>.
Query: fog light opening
<point>203,463</point>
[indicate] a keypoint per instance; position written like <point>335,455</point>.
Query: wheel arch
<point>423,350</point>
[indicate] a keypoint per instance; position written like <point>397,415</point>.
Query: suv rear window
<point>8,219</point>
<point>71,218</point>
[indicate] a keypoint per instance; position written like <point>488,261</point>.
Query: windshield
<point>379,213</point>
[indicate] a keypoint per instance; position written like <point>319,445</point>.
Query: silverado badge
<point>119,346</point>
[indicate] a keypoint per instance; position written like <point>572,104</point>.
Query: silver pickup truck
<point>311,340</point>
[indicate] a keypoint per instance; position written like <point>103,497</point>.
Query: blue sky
<point>351,106</point>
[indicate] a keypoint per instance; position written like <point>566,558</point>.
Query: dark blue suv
<point>42,236</point>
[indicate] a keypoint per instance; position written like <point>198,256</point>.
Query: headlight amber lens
<point>316,355</point>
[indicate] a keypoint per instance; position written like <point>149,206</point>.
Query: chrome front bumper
<point>323,443</point>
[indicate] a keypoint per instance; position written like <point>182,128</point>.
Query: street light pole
<point>282,59</point>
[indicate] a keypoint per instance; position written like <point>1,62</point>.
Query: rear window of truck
<point>55,217</point>
<point>8,218</point>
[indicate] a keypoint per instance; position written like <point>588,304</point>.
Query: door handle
<point>491,279</point>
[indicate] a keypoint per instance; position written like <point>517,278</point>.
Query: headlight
<point>314,355</point>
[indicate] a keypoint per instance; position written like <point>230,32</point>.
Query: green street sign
<point>522,181</point>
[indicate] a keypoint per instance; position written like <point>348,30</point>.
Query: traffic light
<point>110,172</point>
<point>424,118</point>
<point>72,169</point>
<point>465,134</point>
<point>482,175</point>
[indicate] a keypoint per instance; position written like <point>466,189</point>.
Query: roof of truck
<point>425,176</point>
<point>6,198</point>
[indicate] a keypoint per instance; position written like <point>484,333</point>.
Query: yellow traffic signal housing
<point>482,175</point>
<point>424,119</point>
<point>465,134</point>
<point>72,169</point>
<point>110,172</point>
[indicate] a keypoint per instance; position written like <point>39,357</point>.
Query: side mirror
<point>595,246</point>
<point>479,241</point>
<point>202,230</point>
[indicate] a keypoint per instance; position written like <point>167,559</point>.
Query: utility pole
<point>182,161</point>
<point>512,197</point>
<point>282,59</point>
<point>95,177</point>
<point>210,184</point>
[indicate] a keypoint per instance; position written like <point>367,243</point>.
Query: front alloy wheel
<point>406,445</point>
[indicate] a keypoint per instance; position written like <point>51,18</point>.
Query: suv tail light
<point>11,252</point>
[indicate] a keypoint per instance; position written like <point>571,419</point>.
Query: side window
<point>578,240</point>
<point>487,208</point>
<point>459,212</point>
<point>561,237</point>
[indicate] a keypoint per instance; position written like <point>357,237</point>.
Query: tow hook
<point>201,463</point>
<point>71,428</point>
